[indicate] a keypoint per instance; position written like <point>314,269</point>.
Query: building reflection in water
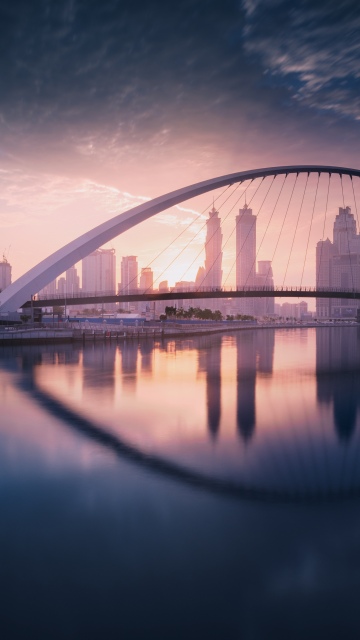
<point>146,351</point>
<point>255,353</point>
<point>129,359</point>
<point>210,363</point>
<point>338,375</point>
<point>99,368</point>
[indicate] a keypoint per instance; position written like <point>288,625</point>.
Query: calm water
<point>199,488</point>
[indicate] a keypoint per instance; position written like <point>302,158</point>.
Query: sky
<point>106,104</point>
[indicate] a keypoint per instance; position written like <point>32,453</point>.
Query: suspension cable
<point>243,244</point>
<point>201,250</point>
<point>227,240</point>
<point>134,279</point>
<point>282,226</point>
<point>232,232</point>
<point>267,226</point>
<point>234,229</point>
<point>311,221</point>
<point>347,233</point>
<point>356,209</point>
<point>190,241</point>
<point>296,226</point>
<point>323,233</point>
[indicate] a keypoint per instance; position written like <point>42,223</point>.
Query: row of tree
<point>202,314</point>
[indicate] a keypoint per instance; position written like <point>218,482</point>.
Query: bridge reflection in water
<point>274,433</point>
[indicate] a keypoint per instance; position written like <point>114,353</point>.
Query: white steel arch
<point>45,271</point>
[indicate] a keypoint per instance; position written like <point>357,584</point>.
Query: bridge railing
<point>229,290</point>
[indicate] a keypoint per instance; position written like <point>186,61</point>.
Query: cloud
<point>313,46</point>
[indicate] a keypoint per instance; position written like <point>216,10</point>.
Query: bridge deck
<point>258,292</point>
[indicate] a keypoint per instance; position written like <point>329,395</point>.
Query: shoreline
<point>75,335</point>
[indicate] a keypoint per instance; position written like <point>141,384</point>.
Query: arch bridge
<point>20,293</point>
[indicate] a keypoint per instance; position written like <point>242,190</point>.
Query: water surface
<point>203,487</point>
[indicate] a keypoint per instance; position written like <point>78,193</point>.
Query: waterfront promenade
<point>92,333</point>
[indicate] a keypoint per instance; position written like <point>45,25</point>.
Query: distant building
<point>264,278</point>
<point>161,304</point>
<point>200,277</point>
<point>146,280</point>
<point>246,275</point>
<point>295,310</point>
<point>72,281</point>
<point>61,286</point>
<point>5,274</point>
<point>146,286</point>
<point>99,272</point>
<point>49,290</point>
<point>128,274</point>
<point>213,253</point>
<point>129,280</point>
<point>338,266</point>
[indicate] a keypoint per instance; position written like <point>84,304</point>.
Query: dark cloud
<point>314,45</point>
<point>133,71</point>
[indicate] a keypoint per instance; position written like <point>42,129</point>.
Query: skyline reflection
<point>234,404</point>
<point>337,377</point>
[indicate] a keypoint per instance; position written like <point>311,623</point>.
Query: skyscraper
<point>344,231</point>
<point>129,280</point>
<point>49,290</point>
<point>146,279</point>
<point>264,278</point>
<point>245,256</point>
<point>338,265</point>
<point>5,274</point>
<point>325,251</point>
<point>146,286</point>
<point>128,274</point>
<point>72,281</point>
<point>213,253</point>
<point>99,272</point>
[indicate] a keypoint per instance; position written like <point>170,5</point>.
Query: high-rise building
<point>146,279</point>
<point>325,251</point>
<point>128,274</point>
<point>129,281</point>
<point>61,286</point>
<point>245,247</point>
<point>146,286</point>
<point>245,256</point>
<point>264,278</point>
<point>72,281</point>
<point>49,290</point>
<point>338,265</point>
<point>213,253</point>
<point>99,272</point>
<point>5,274</point>
<point>344,230</point>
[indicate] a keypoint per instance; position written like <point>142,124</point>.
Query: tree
<point>170,311</point>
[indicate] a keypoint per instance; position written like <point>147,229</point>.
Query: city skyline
<point>337,265</point>
<point>119,127</point>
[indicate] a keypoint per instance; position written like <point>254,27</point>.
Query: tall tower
<point>245,255</point>
<point>325,250</point>
<point>344,230</point>
<point>72,281</point>
<point>245,247</point>
<point>129,280</point>
<point>128,274</point>
<point>213,253</point>
<point>264,278</point>
<point>146,279</point>
<point>5,274</point>
<point>99,272</point>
